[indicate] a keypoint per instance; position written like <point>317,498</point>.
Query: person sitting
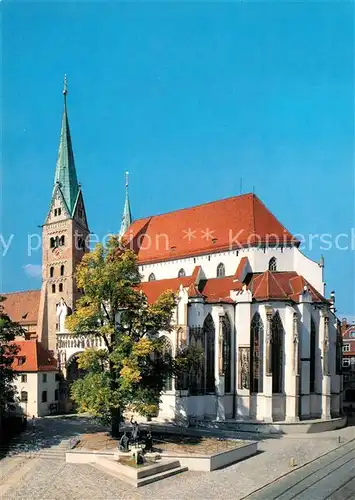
<point>124,442</point>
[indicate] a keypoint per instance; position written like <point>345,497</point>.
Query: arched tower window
<point>62,270</point>
<point>53,242</point>
<point>167,352</point>
<point>62,240</point>
<point>60,287</point>
<point>256,340</point>
<point>51,271</point>
<point>151,277</point>
<point>221,271</point>
<point>209,336</point>
<point>273,264</point>
<point>312,367</point>
<point>226,352</point>
<point>277,335</point>
<point>181,273</point>
<point>53,288</point>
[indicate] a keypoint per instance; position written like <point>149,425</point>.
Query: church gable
<point>79,213</point>
<point>58,210</point>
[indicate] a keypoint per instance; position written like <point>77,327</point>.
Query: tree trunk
<point>115,422</point>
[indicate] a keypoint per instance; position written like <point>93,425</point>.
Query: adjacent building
<point>348,333</point>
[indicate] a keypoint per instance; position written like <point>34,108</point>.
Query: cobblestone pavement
<point>50,479</point>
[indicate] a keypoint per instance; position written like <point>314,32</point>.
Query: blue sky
<point>190,98</point>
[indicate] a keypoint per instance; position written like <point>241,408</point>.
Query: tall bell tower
<point>64,239</point>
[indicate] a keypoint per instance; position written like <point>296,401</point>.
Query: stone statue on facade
<point>62,313</point>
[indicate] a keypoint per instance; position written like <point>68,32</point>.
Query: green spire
<point>65,174</point>
<point>127,216</point>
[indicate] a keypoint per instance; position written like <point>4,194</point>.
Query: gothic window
<point>62,270</point>
<point>167,352</point>
<point>181,273</point>
<point>195,379</point>
<point>226,333</point>
<point>151,277</point>
<point>51,272</point>
<point>60,287</point>
<point>256,339</point>
<point>277,334</point>
<point>221,271</point>
<point>24,396</point>
<point>59,211</point>
<point>273,264</point>
<point>55,212</point>
<point>53,288</point>
<point>312,368</point>
<point>44,396</point>
<point>209,335</point>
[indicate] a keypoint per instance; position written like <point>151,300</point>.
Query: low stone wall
<point>208,463</point>
<point>195,462</point>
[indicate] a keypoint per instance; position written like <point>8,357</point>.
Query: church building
<point>246,294</point>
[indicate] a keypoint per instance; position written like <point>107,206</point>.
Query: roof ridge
<point>278,284</point>
<point>20,291</point>
<point>194,206</point>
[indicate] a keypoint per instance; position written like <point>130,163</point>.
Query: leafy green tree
<point>132,369</point>
<point>8,350</point>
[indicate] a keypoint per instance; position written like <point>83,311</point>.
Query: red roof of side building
<point>22,307</point>
<point>33,357</point>
<point>235,222</point>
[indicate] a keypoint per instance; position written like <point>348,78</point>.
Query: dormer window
<point>273,264</point>
<point>151,277</point>
<point>181,273</point>
<point>221,270</point>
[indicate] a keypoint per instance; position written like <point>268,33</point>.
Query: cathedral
<point>246,295</point>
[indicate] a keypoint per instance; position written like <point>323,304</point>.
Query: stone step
<point>161,475</point>
<point>150,475</point>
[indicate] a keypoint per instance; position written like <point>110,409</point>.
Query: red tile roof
<point>153,289</point>
<point>287,285</point>
<point>219,289</point>
<point>35,357</point>
<point>235,222</point>
<point>264,286</point>
<point>22,307</point>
